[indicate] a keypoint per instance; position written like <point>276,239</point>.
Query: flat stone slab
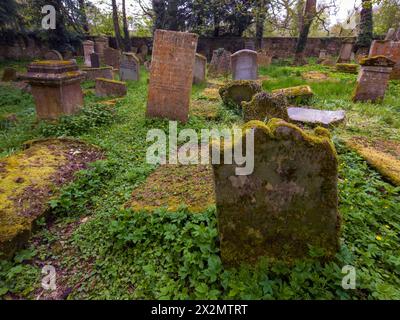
<point>382,155</point>
<point>29,179</point>
<point>316,117</point>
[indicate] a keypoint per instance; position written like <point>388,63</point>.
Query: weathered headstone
<point>389,49</point>
<point>99,45</point>
<point>130,67</point>
<point>9,74</point>
<point>296,95</point>
<point>265,105</point>
<point>200,69</point>
<point>171,75</point>
<point>373,79</point>
<point>144,50</point>
<point>236,92</point>
<point>53,55</point>
<point>88,49</point>
<point>391,34</point>
<point>244,65</point>
<point>345,53</point>
<point>220,63</point>
<point>107,87</point>
<point>287,205</point>
<point>323,55</point>
<point>112,57</point>
<point>55,87</point>
<point>263,59</point>
<point>94,60</point>
<point>103,72</point>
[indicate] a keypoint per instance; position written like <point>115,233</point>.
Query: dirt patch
<point>172,186</point>
<point>382,155</point>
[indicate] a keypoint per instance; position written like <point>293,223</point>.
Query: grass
<point>103,251</point>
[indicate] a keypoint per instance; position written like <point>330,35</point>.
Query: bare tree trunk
<point>365,35</point>
<point>127,39</point>
<point>310,10</point>
<point>116,24</point>
<point>82,9</point>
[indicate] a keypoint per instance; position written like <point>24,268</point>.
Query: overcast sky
<point>345,6</point>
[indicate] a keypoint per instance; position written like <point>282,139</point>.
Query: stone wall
<point>281,47</point>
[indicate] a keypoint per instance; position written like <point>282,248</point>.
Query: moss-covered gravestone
<point>235,92</point>
<point>288,203</point>
<point>296,95</point>
<point>264,105</point>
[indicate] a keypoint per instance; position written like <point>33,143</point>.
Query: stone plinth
<point>55,87</point>
<point>391,50</point>
<point>88,49</point>
<point>373,79</point>
<point>200,69</point>
<point>171,75</point>
<point>107,87</point>
<point>287,204</point>
<point>244,65</point>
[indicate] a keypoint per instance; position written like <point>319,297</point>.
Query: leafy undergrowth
<point>103,251</point>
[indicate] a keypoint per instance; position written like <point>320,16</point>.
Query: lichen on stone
<point>265,105</point>
<point>347,68</point>
<point>297,95</point>
<point>235,92</point>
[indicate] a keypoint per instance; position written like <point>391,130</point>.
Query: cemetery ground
<point>104,250</point>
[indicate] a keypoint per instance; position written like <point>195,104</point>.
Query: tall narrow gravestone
<point>373,79</point>
<point>94,60</point>
<point>88,49</point>
<point>129,68</point>
<point>200,68</point>
<point>389,49</point>
<point>171,75</point>
<point>100,44</point>
<point>345,52</point>
<point>244,65</point>
<point>55,87</point>
<point>220,63</point>
<point>288,203</point>
<point>112,57</point>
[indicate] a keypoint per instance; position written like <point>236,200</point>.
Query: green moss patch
<point>315,76</point>
<point>204,109</point>
<point>211,94</point>
<point>384,156</point>
<point>235,92</point>
<point>347,68</point>
<point>29,179</point>
<point>174,186</point>
<point>297,95</point>
<point>264,105</point>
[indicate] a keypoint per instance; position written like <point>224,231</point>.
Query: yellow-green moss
<point>204,109</point>
<point>211,94</point>
<point>347,68</point>
<point>97,69</point>
<point>235,92</point>
<point>111,81</point>
<point>53,62</point>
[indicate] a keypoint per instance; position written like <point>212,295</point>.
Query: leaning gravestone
<point>88,49</point>
<point>345,53</point>
<point>373,79</point>
<point>200,68</point>
<point>289,202</point>
<point>95,60</point>
<point>220,63</point>
<point>244,65</point>
<point>389,49</point>
<point>112,57</point>
<point>56,88</point>
<point>9,74</point>
<point>53,55</point>
<point>130,67</point>
<point>171,75</point>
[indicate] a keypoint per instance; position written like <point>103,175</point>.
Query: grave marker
<point>200,68</point>
<point>112,57</point>
<point>171,75</point>
<point>345,53</point>
<point>88,49</point>
<point>130,67</point>
<point>244,65</point>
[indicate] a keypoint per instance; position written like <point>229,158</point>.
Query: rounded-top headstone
<point>53,55</point>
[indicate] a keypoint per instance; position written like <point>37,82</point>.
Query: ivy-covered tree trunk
<point>172,15</point>
<point>260,20</point>
<point>82,9</point>
<point>116,24</point>
<point>127,39</point>
<point>310,10</point>
<point>365,34</point>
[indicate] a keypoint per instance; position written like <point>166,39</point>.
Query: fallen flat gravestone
<point>287,205</point>
<point>107,87</point>
<point>129,68</point>
<point>244,65</point>
<point>316,117</point>
<point>171,75</point>
<point>29,179</point>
